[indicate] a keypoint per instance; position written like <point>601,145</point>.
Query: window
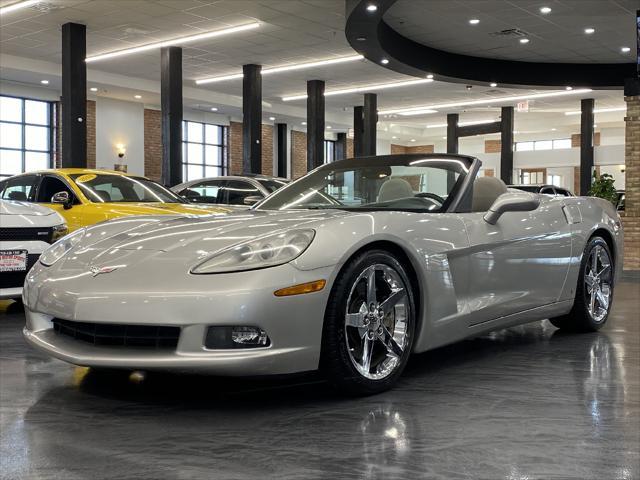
<point>20,188</point>
<point>204,192</point>
<point>51,185</point>
<point>237,190</point>
<point>554,180</point>
<point>204,150</point>
<point>119,188</point>
<point>532,176</point>
<point>557,144</point>
<point>25,135</point>
<point>329,151</point>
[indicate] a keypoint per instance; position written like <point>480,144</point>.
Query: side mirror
<point>252,199</point>
<point>62,198</point>
<point>511,202</point>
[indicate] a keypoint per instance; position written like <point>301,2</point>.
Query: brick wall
<point>153,144</point>
<point>398,149</point>
<point>235,148</point>
<point>492,146</point>
<point>489,172</point>
<point>576,180</point>
<point>91,135</point>
<point>575,140</point>
<point>631,218</point>
<point>298,154</point>
<point>267,149</point>
<point>350,148</point>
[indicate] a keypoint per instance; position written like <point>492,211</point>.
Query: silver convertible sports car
<point>349,270</point>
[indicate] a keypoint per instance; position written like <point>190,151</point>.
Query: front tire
<point>369,324</point>
<point>594,292</point>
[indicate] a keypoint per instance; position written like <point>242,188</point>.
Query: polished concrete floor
<point>524,403</point>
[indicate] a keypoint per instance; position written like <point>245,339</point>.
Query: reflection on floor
<point>523,403</point>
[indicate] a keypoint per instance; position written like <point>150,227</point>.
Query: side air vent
<point>510,32</point>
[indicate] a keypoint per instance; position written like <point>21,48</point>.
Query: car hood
<point>182,236</point>
<point>13,207</point>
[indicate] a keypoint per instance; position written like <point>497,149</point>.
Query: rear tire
<point>369,325</point>
<point>594,292</point>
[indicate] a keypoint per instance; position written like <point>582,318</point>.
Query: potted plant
<point>603,187</point>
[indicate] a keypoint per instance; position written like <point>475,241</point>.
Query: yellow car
<point>85,197</point>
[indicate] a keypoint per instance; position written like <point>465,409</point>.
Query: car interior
<point>486,190</point>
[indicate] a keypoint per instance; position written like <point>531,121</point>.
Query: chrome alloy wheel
<point>597,279</point>
<point>377,321</point>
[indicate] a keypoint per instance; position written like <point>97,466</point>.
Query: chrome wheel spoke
<point>392,300</point>
<point>367,352</point>
<point>603,300</point>
<point>592,303</point>
<point>597,278</point>
<point>371,286</point>
<point>393,349</point>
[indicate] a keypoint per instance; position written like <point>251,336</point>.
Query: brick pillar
<point>631,218</point>
<point>91,134</point>
<point>153,144</point>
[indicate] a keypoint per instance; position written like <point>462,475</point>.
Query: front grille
<point>113,334</point>
<point>44,234</point>
<point>16,279</point>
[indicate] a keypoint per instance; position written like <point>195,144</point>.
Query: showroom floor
<point>524,403</point>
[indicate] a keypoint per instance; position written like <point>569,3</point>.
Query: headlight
<point>263,252</point>
<point>56,251</point>
<point>59,231</point>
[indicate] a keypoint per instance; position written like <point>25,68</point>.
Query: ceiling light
<point>372,8</point>
<point>137,97</point>
<point>17,6</point>
<point>598,110</point>
<point>44,82</point>
<point>94,89</point>
<point>554,129</point>
<point>474,21</point>
<point>365,88</point>
<point>413,139</point>
<point>284,68</point>
<point>589,30</point>
<point>568,88</point>
<point>524,40</point>
<point>430,76</point>
<point>384,61</point>
<point>625,49</point>
<point>272,118</point>
<point>329,127</point>
<point>493,84</point>
<point>394,137</point>
<point>594,125</point>
<point>214,109</point>
<point>489,101</point>
<point>304,123</point>
<point>444,138</point>
<point>545,10</point>
<point>174,41</point>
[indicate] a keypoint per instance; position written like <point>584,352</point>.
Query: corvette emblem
<point>95,271</point>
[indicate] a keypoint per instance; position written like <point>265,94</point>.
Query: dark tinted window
<point>272,185</point>
<point>237,190</point>
<point>19,188</point>
<point>547,190</point>
<point>49,187</point>
<point>204,192</point>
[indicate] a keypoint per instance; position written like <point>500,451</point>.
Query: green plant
<point>602,187</point>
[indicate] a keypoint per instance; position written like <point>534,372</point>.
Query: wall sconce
<point>121,150</point>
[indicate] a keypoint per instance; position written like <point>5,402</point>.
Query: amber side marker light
<point>308,287</point>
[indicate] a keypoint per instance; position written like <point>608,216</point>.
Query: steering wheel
<point>431,196</point>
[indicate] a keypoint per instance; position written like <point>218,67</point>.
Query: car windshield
<point>527,188</point>
<point>394,182</point>
<point>272,185</point>
<point>106,187</point>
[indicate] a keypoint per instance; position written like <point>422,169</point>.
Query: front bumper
<point>293,324</point>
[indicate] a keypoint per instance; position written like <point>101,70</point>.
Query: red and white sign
<point>13,260</point>
<point>523,106</point>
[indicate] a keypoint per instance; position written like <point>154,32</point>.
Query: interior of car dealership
<point>381,239</point>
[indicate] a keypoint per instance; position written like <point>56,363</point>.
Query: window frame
<point>224,146</point>
<point>329,146</point>
<point>23,124</point>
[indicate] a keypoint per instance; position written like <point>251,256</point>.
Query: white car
<point>26,230</point>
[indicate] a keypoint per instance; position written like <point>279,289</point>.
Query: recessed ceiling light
<point>413,139</point>
<point>173,41</point>
<point>594,125</point>
<point>524,40</point>
<point>430,76</point>
<point>554,129</point>
<point>17,6</point>
<point>329,127</point>
<point>444,138</point>
<point>371,7</point>
<point>284,68</point>
<point>568,88</point>
<point>137,97</point>
<point>493,84</point>
<point>474,21</point>
<point>364,88</point>
<point>545,10</point>
<point>625,49</point>
<point>94,89</point>
<point>304,123</point>
<point>394,137</point>
<point>44,82</point>
<point>384,61</point>
<point>272,118</point>
<point>589,30</point>
<point>420,110</point>
<point>214,109</point>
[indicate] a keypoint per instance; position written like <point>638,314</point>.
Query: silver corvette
<point>349,270</point>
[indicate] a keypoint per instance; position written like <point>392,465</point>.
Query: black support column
<point>315,124</point>
<point>281,135</point>
<point>506,149</point>
<point>586,144</point>
<point>251,119</point>
<point>370,122</point>
<point>452,133</point>
<point>74,95</point>
<point>171,104</point>
<point>341,146</point>
<point>358,131</point>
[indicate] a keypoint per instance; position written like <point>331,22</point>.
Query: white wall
<point>120,122</point>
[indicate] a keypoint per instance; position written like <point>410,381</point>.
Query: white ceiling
<point>291,31</point>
